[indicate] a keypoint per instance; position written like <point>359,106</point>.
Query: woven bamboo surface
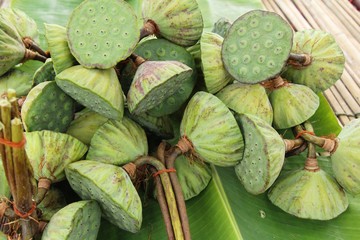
<point>342,20</point>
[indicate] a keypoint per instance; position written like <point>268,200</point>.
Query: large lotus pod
<point>264,154</point>
<point>155,81</point>
<point>54,201</point>
<point>346,159</point>
<point>96,89</point>
<point>212,130</point>
<point>112,188</point>
<point>257,46</point>
<point>215,75</point>
<point>101,33</point>
<point>309,194</point>
<point>47,107</point>
<point>180,22</point>
<point>221,26</point>
<point>85,124</point>
<point>163,50</point>
<point>18,80</point>
<point>58,45</point>
<point>118,142</point>
<point>49,152</point>
<point>45,73</point>
<point>326,64</point>
<point>78,220</point>
<point>4,186</point>
<point>249,99</point>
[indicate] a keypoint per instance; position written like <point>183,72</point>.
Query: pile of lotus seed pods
<point>114,90</point>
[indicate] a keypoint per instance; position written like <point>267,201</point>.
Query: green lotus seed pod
<point>212,130</point>
<point>308,194</point>
<point>4,186</point>
<point>54,201</point>
<point>45,73</point>
<point>346,159</point>
<point>118,142</point>
<point>221,26</point>
<point>112,188</point>
<point>293,104</point>
<point>257,46</point>
<point>96,89</point>
<point>155,81</point>
<point>181,23</point>
<point>18,80</point>
<point>78,220</point>
<point>47,107</point>
<point>101,33</point>
<point>264,154</point>
<point>49,152</point>
<point>327,60</point>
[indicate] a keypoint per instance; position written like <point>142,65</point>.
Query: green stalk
<point>311,163</point>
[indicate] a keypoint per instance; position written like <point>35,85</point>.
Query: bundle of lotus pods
<point>121,95</point>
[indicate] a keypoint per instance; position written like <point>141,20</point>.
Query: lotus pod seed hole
<point>261,59</point>
<point>242,31</point>
<point>254,22</point>
<point>243,43</point>
<point>279,35</point>
<point>255,47</point>
<point>174,54</point>
<point>270,64</point>
<point>232,48</point>
<point>246,59</point>
<point>171,101</point>
<point>269,43</point>
<point>255,34</point>
<point>181,90</point>
<point>268,26</point>
<point>278,50</point>
<point>256,70</point>
<point>234,61</point>
<point>115,31</point>
<point>161,52</point>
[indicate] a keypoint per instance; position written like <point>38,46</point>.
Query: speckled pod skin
<point>257,46</point>
<point>215,75</point>
<point>58,46</point>
<point>311,195</point>
<point>47,107</point>
<point>78,220</point>
<point>16,79</point>
<point>118,142</point>
<point>4,186</point>
<point>212,130</point>
<point>45,73</point>
<point>155,81</point>
<point>49,152</point>
<point>54,201</point>
<point>264,154</point>
<point>112,188</point>
<point>249,99</point>
<point>293,104</point>
<point>96,89</point>
<point>327,62</point>
<point>179,22</point>
<point>346,159</point>
<point>221,26</point>
<point>101,33</point>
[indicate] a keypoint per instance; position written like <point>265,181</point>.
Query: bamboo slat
<point>350,9</point>
<point>339,112</point>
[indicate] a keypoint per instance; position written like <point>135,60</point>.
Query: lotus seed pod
<point>47,107</point>
<point>4,186</point>
<point>45,73</point>
<point>181,23</point>
<point>249,99</point>
<point>264,154</point>
<point>221,26</point>
<point>346,159</point>
<point>18,80</point>
<point>54,201</point>
<point>308,194</point>
<point>78,220</point>
<point>49,152</point>
<point>101,33</point>
<point>58,45</point>
<point>212,129</point>
<point>293,104</point>
<point>327,60</point>
<point>257,46</point>
<point>215,75</point>
<point>112,188</point>
<point>96,89</point>
<point>118,142</point>
<point>155,81</point>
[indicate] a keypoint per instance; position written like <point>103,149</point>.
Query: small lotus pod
<point>54,201</point>
<point>47,107</point>
<point>179,23</point>
<point>309,194</point>
<point>249,99</point>
<point>257,46</point>
<point>49,152</point>
<point>18,80</point>
<point>96,89</point>
<point>4,186</point>
<point>112,188</point>
<point>346,159</point>
<point>58,45</point>
<point>212,130</point>
<point>45,73</point>
<point>264,154</point>
<point>326,64</point>
<point>293,104</point>
<point>85,124</point>
<point>101,33</point>
<point>215,75</point>
<point>118,142</point>
<point>221,26</point>
<point>78,220</point>
<point>155,81</point>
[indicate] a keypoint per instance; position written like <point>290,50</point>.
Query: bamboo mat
<point>342,20</point>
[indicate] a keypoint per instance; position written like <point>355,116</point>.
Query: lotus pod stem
<point>299,60</point>
<point>292,144</point>
<point>43,187</point>
<point>137,59</point>
<point>30,44</point>
<point>31,55</point>
<point>149,28</point>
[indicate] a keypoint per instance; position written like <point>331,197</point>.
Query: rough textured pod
<point>45,73</point>
<point>221,26</point>
<point>15,78</point>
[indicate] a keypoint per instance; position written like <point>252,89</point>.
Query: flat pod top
<point>102,33</point>
<point>257,46</point>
